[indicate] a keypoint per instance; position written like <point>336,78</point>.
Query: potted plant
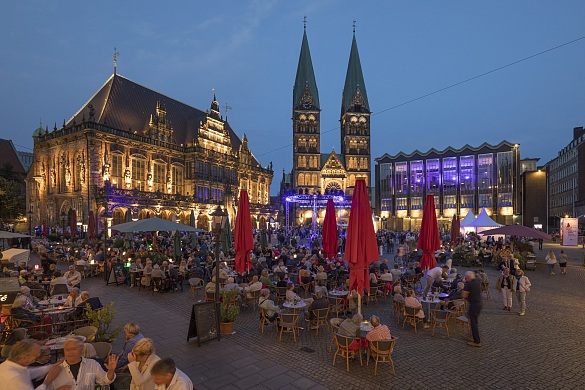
<point>229,311</point>
<point>102,320</point>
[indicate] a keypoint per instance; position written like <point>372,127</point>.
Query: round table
<point>295,305</point>
<point>337,293</point>
<point>52,301</point>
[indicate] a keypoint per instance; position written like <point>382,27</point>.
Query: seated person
<point>157,272</point>
<point>210,286</point>
<point>321,287</point>
<point>373,280</point>
<point>32,301</point>
<point>291,296</point>
<point>231,284</point>
<point>73,277</point>
<point>412,301</point>
<point>32,283</point>
<point>265,280</point>
<point>396,273</point>
<point>321,274</point>
<point>282,282</point>
<point>22,276</point>
<point>350,327</point>
<point>280,268</point>
<point>147,273</point>
<point>380,332</point>
<point>166,375</point>
<point>74,298</point>
<point>409,271</point>
<point>132,335</point>
<point>398,294</point>
<point>417,268</point>
<point>254,285</point>
<point>93,302</point>
<point>270,309</point>
<point>386,278</point>
<point>58,279</point>
<point>447,303</point>
<point>21,312</point>
<point>320,302</point>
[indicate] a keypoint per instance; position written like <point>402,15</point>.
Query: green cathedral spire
<point>305,78</point>
<point>354,83</point>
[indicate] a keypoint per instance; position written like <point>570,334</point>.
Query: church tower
<point>355,122</point>
<point>306,125</point>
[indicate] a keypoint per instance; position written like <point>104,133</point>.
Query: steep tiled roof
<point>125,105</point>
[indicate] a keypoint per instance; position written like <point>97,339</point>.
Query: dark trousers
<point>473,314</point>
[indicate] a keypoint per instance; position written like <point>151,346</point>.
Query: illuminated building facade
<point>461,180</point>
<point>138,153</point>
<point>325,174</point>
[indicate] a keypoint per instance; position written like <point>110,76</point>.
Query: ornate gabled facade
<point>133,149</point>
<point>314,172</point>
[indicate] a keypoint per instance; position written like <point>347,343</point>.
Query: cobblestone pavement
<point>541,350</point>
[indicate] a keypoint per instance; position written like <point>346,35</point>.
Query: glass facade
<point>386,187</point>
<point>505,176</point>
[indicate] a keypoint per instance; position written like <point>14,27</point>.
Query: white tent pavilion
<point>484,222</point>
<point>467,223</point>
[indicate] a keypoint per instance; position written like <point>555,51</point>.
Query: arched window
<point>301,179</point>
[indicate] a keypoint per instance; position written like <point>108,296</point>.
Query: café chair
<point>343,350</point>
<point>40,294</point>
<point>252,298</point>
<point>195,285</point>
<point>88,332</point>
<point>264,320</point>
<point>441,319</point>
<point>289,323</point>
<point>60,289</point>
<point>209,296</point>
<point>157,285</point>
<point>335,304</point>
<point>410,316</point>
<point>318,318</point>
<point>280,294</point>
<point>463,322</point>
<point>372,295</point>
<point>485,288</point>
<point>381,351</point>
<point>102,349</point>
<point>334,324</point>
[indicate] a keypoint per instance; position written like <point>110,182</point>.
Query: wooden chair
<point>156,285</point>
<point>209,296</point>
<point>102,349</point>
<point>289,323</point>
<point>410,316</point>
<point>342,344</point>
<point>334,324</point>
<point>40,294</point>
<point>252,299</point>
<point>280,294</point>
<point>60,289</point>
<point>264,320</point>
<point>440,318</point>
<point>88,332</point>
<point>177,283</point>
<point>381,351</point>
<point>462,321</point>
<point>372,295</point>
<point>195,286</point>
<point>485,288</point>
<point>81,269</point>
<point>399,310</point>
<point>145,282</point>
<point>335,304</point>
<point>319,319</point>
<point>409,280</point>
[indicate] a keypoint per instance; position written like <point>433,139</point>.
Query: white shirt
<point>180,381</point>
<point>14,376</point>
<point>90,374</point>
<point>435,273</point>
<point>141,380</point>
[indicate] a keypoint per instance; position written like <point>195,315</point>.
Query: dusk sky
<point>56,55</point>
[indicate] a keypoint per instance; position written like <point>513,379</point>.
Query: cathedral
<point>316,174</point>
<point>131,153</point>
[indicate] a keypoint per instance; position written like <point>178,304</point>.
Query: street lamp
<point>30,214</point>
<point>218,216</point>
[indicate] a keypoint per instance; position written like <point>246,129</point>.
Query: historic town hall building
<point>139,153</point>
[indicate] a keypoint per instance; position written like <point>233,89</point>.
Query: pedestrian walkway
<point>540,350</point>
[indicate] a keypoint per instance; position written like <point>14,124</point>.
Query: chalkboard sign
<point>117,275</point>
<point>204,323</point>
<point>9,289</point>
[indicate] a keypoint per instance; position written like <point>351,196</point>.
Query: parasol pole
<point>359,303</point>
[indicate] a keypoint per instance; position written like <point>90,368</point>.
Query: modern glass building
<point>462,180</point>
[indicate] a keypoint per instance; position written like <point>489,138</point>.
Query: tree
<point>12,201</point>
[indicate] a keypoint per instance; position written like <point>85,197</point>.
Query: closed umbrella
<point>361,248</point>
<point>128,236</point>
<point>428,239</point>
<point>73,223</point>
<point>192,218</point>
<point>330,231</point>
<point>455,230</point>
<point>226,236</point>
<point>177,246</point>
<point>243,240</point>
<point>91,225</point>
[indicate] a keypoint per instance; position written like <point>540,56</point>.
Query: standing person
<point>522,287</point>
<point>14,373</point>
<point>433,275</point>
<point>563,262</point>
<point>472,294</point>
<point>505,285</point>
<point>551,260</point>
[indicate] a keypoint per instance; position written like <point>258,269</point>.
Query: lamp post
<point>106,215</point>
<point>218,215</point>
<point>63,220</point>
<point>30,214</point>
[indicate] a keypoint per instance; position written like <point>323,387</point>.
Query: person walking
<point>505,285</point>
<point>522,287</point>
<point>563,262</point>
<point>551,260</point>
<point>472,294</point>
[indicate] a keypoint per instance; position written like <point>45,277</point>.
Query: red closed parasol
<point>73,222</point>
<point>330,231</point>
<point>455,230</point>
<point>361,248</point>
<point>91,225</point>
<point>428,239</point>
<point>243,238</point>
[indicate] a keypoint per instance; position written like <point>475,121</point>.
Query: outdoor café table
<point>442,296</point>
<point>52,302</point>
<point>337,293</point>
<point>428,302</point>
<point>295,305</point>
<point>365,327</point>
<point>137,275</point>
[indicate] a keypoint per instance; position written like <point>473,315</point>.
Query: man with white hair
<point>31,300</point>
<point>73,277</point>
<point>81,373</point>
<point>472,294</point>
<point>14,373</point>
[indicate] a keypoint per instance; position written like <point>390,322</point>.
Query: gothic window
<point>77,171</point>
<point>301,179</point>
<point>314,179</point>
<point>116,170</point>
<point>302,142</point>
<point>301,162</point>
<point>138,173</point>
<point>158,177</point>
<point>178,180</point>
<point>353,143</point>
<point>63,173</point>
<point>312,142</point>
<point>364,163</point>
